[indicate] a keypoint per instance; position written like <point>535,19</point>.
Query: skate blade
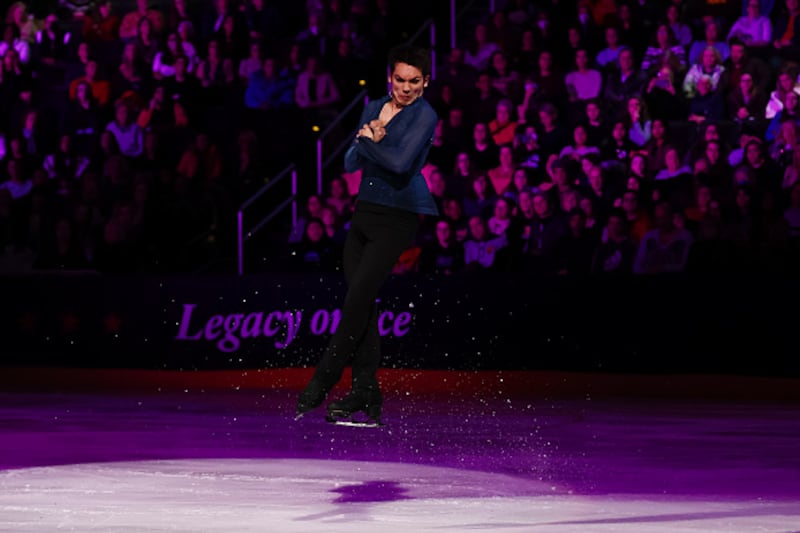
<point>346,422</point>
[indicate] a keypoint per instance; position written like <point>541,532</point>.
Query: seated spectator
<point>316,251</point>
<point>232,37</point>
<point>13,41</point>
<point>483,150</point>
<point>503,127</point>
<point>583,83</point>
<point>711,39</point>
<point>480,51</point>
<point>65,163</point>
<point>784,85</point>
<point>673,182</point>
<point>504,78</point>
<point>480,196</point>
<point>17,184</point>
<point>786,31</point>
<point>164,61</point>
<point>445,255</point>
<point>546,231</point>
<point>663,96</point>
<point>709,66</point>
<point>145,43</point>
<point>313,208</point>
<point>789,113</point>
<point>550,81</point>
<point>620,148</point>
<point>664,249</point>
<point>552,135</point>
<point>131,20</point>
<point>681,30</point>
<point>706,104</point>
<point>740,61</point>
<point>502,219</point>
<point>638,218</point>
<point>615,254</point>
<point>83,120</point>
<point>127,132</point>
<point>316,88</point>
<point>781,148</point>
<point>753,28</point>
<point>607,57</point>
<point>157,114</point>
<point>746,102</point>
<point>574,252</point>
<point>131,75</point>
<point>340,199</point>
<point>623,84</point>
<point>664,49</point>
<point>101,89</point>
<point>655,149</point>
<point>638,120</point>
<point>526,150</point>
<point>101,24</point>
<point>481,247</point>
<point>252,63</point>
<point>580,146</point>
<point>501,175</point>
<point>51,51</point>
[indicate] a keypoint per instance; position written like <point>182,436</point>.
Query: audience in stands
<point>585,138</point>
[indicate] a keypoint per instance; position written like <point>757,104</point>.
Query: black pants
<point>377,237</point>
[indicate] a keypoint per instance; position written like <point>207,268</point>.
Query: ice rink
<point>464,459</point>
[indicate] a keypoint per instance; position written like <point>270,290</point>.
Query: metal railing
<point>323,162</point>
<point>241,236</point>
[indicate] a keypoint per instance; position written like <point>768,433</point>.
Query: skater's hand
<point>378,130</point>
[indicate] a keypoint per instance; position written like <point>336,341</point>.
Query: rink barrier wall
<point>732,325</point>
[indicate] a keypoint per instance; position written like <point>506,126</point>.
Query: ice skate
<point>357,409</point>
<point>311,398</point>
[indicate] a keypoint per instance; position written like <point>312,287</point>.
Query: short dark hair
<point>411,55</point>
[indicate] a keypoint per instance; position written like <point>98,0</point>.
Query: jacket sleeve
<point>400,158</point>
<point>352,160</point>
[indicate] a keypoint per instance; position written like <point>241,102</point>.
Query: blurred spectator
<point>664,249</point>
<point>481,247</point>
<point>12,40</point>
<point>128,133</point>
<point>443,256</point>
<point>316,89</point>
<point>100,89</point>
<point>753,29</point>
<point>101,25</point>
<point>130,25</point>
<point>616,253</point>
<point>711,40</point>
<point>316,251</point>
<point>267,89</point>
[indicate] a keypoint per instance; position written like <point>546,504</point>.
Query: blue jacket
<point>391,168</point>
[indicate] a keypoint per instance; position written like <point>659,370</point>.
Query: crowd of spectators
<point>605,137</point>
<point>131,130</point>
<point>602,136</point>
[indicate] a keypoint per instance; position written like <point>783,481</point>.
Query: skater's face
<point>407,84</point>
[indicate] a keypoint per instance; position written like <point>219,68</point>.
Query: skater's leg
<point>328,370</point>
<point>368,356</point>
<point>387,237</point>
<point>376,240</point>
